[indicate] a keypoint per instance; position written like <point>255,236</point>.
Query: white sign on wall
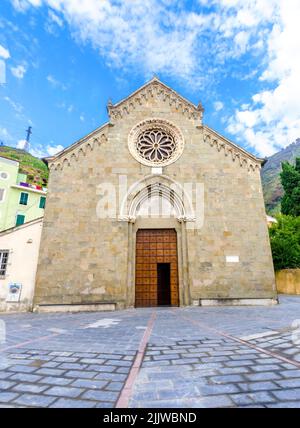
<point>232,259</point>
<point>14,292</point>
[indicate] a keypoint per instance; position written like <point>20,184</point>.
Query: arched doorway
<point>156,276</point>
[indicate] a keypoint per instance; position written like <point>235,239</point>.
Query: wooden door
<point>154,248</point>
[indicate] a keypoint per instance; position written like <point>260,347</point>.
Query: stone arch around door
<point>157,185</point>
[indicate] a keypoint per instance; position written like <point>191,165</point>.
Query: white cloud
<point>22,5</point>
<point>18,108</point>
<point>82,118</point>
<point>272,118</point>
<point>241,40</point>
<point>56,83</point>
<point>4,53</point>
<point>218,105</point>
<point>19,71</point>
<point>21,144</point>
<point>55,18</point>
<point>154,36</point>
<point>52,150</point>
<point>4,134</point>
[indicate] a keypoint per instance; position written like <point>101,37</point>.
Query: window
<point>3,261</point>
<point>23,198</point>
<point>20,219</point>
<point>42,202</point>
<point>155,142</point>
<point>2,194</point>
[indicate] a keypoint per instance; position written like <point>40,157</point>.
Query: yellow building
<point>20,202</point>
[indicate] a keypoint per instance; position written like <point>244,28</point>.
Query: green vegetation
<point>36,170</point>
<point>285,234</point>
<point>270,174</point>
<point>290,180</point>
<point>285,242</point>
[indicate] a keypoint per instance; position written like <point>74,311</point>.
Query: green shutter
<point>20,219</point>
<point>42,202</point>
<point>23,198</point>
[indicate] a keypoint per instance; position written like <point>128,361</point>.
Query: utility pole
<point>29,132</point>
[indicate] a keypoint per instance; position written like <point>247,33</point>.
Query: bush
<point>285,242</point>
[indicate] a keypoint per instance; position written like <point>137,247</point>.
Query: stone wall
<point>288,281</point>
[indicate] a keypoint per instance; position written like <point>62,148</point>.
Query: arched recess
<point>157,186</point>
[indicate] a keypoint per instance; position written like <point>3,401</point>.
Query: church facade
<point>154,208</point>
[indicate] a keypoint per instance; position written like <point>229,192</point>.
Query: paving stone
<point>111,356</point>
<point>124,370</point>
<point>119,363</point>
<point>52,380</point>
<point>104,405</point>
<point>233,370</point>
<point>35,352</point>
<point>263,376</point>
<point>51,372</point>
<point>63,403</point>
<point>5,375</point>
<point>241,399</point>
<point>166,357</point>
<point>285,405</point>
<point>288,394</point>
<point>24,377</point>
<point>27,387</point>
<point>4,384</point>
<point>91,361</point>
<point>81,374</point>
<point>267,361</point>
<point>60,354</point>
<point>90,384</point>
<point>66,359</point>
<point>72,366</point>
<point>290,373</point>
<point>100,395</point>
<point>214,359</point>
<point>33,400</point>
<point>101,368</point>
<point>64,391</point>
<point>114,386</point>
<point>22,369</point>
<point>239,363</point>
<point>289,383</point>
<point>226,379</point>
<point>273,367</point>
<point>84,355</point>
<point>258,386</point>
<point>111,376</point>
<point>6,397</point>
<point>218,389</point>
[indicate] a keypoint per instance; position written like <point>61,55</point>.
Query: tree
<point>290,180</point>
<point>285,242</point>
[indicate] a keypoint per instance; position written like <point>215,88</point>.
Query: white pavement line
<point>259,335</point>
<point>103,323</point>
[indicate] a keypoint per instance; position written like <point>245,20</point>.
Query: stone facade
<point>87,257</point>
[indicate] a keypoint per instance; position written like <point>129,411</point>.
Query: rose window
<point>155,142</point>
<point>155,145</point>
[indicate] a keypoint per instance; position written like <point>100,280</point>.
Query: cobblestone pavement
<point>156,357</point>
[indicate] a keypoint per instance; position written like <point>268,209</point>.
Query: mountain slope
<point>270,175</point>
<point>36,170</point>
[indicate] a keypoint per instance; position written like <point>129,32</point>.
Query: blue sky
<point>64,59</point>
